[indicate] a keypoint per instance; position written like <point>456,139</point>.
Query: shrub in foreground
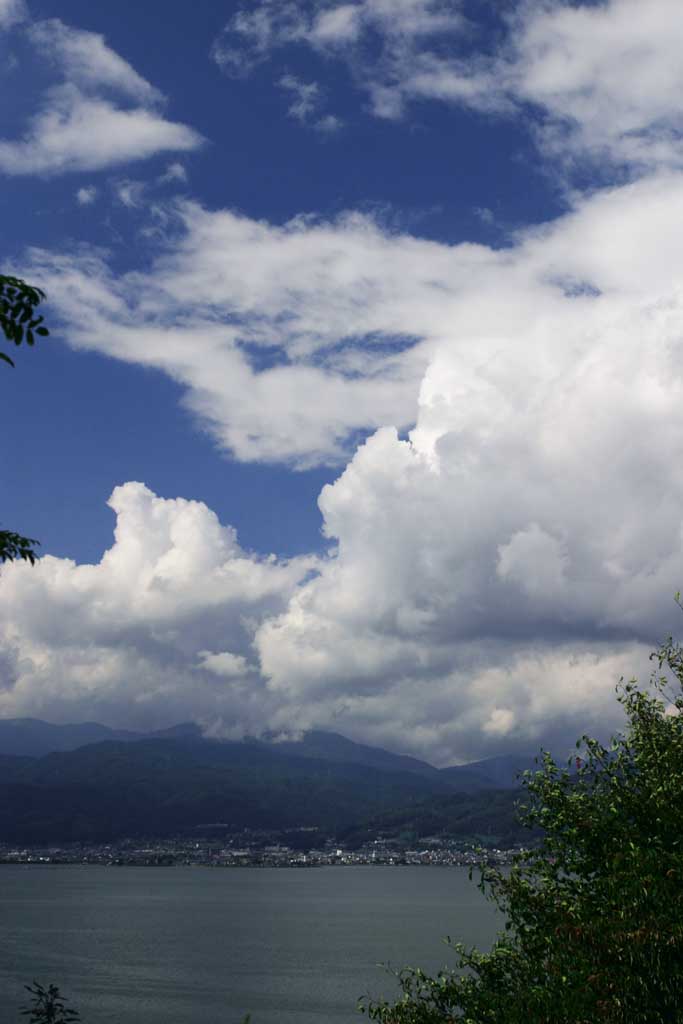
<point>594,914</point>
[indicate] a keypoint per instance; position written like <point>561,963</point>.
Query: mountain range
<point>86,782</point>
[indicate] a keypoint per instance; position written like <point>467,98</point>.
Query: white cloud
<point>130,638</point>
<point>485,215</point>
<point>610,74</point>
<point>250,35</point>
<point>224,663</point>
<point>307,100</point>
<point>129,193</point>
<point>329,124</point>
<point>403,28</point>
<point>174,172</point>
<point>603,79</point>
<point>341,24</point>
<point>86,61</point>
<point>305,96</point>
<point>263,326</point>
<point>78,127</point>
<point>87,195</point>
<point>11,12</point>
<point>498,572</point>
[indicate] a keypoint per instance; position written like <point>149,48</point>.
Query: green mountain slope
<point>162,787</point>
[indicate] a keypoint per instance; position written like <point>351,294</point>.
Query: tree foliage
<point>19,322</point>
<point>594,913</point>
<point>48,1006</point>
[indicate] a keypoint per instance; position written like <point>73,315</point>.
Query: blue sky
<point>389,290</point>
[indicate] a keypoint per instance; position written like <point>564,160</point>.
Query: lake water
<point>206,946</point>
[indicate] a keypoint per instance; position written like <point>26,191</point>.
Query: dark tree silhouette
<point>48,1006</point>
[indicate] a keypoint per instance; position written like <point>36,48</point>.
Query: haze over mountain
<point>32,737</point>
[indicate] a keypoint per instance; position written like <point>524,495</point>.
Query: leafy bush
<point>594,914</point>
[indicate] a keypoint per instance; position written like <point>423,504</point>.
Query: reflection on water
<point>206,946</point>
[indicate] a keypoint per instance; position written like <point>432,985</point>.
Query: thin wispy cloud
<point>305,97</point>
<point>306,103</point>
<point>174,172</point>
<point>129,193</point>
<point>597,81</point>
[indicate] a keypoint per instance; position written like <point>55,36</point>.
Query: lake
<point>190,945</point>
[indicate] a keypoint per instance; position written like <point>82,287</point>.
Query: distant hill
<point>163,787</point>
<point>96,784</point>
<point>34,738</point>
<point>331,746</point>
<point>494,773</point>
<point>30,737</point>
<point>488,817</point>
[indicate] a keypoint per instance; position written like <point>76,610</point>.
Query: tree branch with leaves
<point>19,323</point>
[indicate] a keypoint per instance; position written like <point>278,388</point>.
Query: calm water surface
<point>206,946</point>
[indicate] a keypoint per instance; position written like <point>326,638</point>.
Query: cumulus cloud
<point>81,123</point>
<point>593,80</point>
<point>131,637</point>
<point>519,551</point>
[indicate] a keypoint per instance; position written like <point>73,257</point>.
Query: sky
<point>361,407</point>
